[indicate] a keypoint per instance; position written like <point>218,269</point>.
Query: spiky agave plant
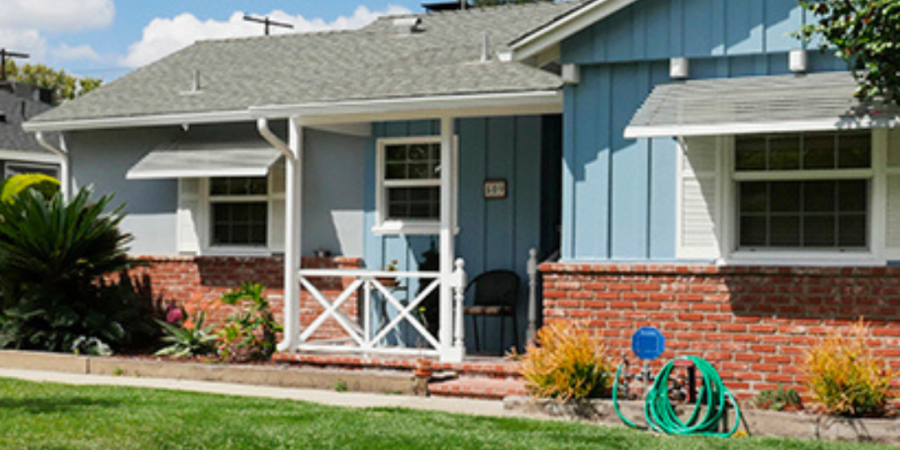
<point>53,255</point>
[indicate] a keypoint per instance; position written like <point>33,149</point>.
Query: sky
<point>109,38</point>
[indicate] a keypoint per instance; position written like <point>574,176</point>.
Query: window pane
<point>396,153</point>
<point>852,230</point>
<point>784,152</point>
<point>413,203</point>
<point>853,196</point>
<point>818,151</point>
<point>419,152</point>
<point>855,150</point>
<point>819,232</point>
<point>238,186</point>
<point>818,214</point>
<point>240,223</point>
<point>754,197</point>
<point>751,153</point>
<point>420,171</point>
<point>784,197</point>
<point>819,196</point>
<point>395,171</point>
<point>784,231</point>
<point>753,231</point>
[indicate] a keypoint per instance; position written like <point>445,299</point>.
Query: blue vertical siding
<point>653,29</point>
<point>494,234</point>
<point>619,194</point>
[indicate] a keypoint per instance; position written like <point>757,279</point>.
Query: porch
<point>425,235</point>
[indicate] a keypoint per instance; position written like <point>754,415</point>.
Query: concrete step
<point>477,387</point>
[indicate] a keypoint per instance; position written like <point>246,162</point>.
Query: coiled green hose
<point>660,414</point>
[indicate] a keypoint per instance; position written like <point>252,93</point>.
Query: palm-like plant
<point>53,255</point>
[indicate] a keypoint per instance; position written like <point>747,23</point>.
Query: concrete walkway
<point>492,408</point>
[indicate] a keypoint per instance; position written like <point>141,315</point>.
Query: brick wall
<point>196,283</point>
<point>753,323</point>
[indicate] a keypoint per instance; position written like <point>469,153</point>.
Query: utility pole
<point>267,22</point>
<point>4,54</point>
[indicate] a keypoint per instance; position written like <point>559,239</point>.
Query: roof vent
<point>196,86</point>
<point>2,117</point>
<point>407,25</point>
<point>485,48</point>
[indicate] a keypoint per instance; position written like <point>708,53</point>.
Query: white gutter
<point>262,125</point>
<point>470,104</point>
<point>63,154</point>
<point>140,121</point>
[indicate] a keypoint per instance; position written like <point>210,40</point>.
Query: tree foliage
<point>487,3</point>
<point>64,85</point>
<point>864,33</point>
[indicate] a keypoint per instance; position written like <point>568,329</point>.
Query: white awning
<point>188,158</point>
<point>770,104</point>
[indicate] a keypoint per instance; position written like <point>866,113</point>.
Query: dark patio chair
<point>496,292</point>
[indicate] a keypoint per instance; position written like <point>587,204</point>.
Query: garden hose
<point>660,414</point>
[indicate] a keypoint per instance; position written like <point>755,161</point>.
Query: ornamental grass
<point>845,377</point>
<point>565,363</point>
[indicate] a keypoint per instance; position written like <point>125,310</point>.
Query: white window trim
<point>874,255</point>
<point>205,224</point>
<point>409,227</point>
<point>29,165</point>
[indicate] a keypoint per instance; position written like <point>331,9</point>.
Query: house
<point>20,152</point>
<point>691,165</point>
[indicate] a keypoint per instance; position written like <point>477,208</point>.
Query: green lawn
<point>55,416</point>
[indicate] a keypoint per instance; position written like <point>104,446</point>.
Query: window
<point>239,211</point>
<point>808,191</point>
<point>13,169</point>
<point>409,185</point>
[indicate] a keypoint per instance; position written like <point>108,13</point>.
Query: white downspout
<point>65,183</point>
<point>293,152</point>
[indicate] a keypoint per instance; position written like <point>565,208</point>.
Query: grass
<point>56,416</point>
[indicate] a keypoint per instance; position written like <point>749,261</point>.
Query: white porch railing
<point>371,336</point>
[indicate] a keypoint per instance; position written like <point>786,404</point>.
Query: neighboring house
<point>20,152</point>
<point>695,168</point>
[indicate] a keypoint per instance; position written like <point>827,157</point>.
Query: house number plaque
<point>495,189</point>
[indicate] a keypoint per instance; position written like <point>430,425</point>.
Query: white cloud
<point>78,52</point>
<point>164,35</point>
<point>56,15</point>
<point>24,23</point>
<point>27,41</point>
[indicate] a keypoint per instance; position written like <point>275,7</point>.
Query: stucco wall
<point>333,186</point>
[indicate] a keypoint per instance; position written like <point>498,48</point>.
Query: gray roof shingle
<point>371,63</point>
<point>17,104</point>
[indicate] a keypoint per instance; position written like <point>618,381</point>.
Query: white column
<point>449,352</point>
<point>292,237</point>
<point>532,295</point>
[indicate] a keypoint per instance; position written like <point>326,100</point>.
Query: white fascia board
<point>197,173</point>
<point>140,121</point>
<point>557,31</point>
<point>473,105</point>
<point>17,155</point>
<point>637,132</point>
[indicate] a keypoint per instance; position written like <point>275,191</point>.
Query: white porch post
<point>449,352</point>
<point>292,236</point>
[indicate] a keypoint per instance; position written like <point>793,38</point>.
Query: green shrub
<point>846,378</point>
<point>53,257</point>
<point>188,339</point>
<point>47,186</point>
<point>779,399</point>
<point>250,333</point>
<point>564,363</point>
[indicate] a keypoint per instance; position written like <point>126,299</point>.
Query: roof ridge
<point>279,36</point>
